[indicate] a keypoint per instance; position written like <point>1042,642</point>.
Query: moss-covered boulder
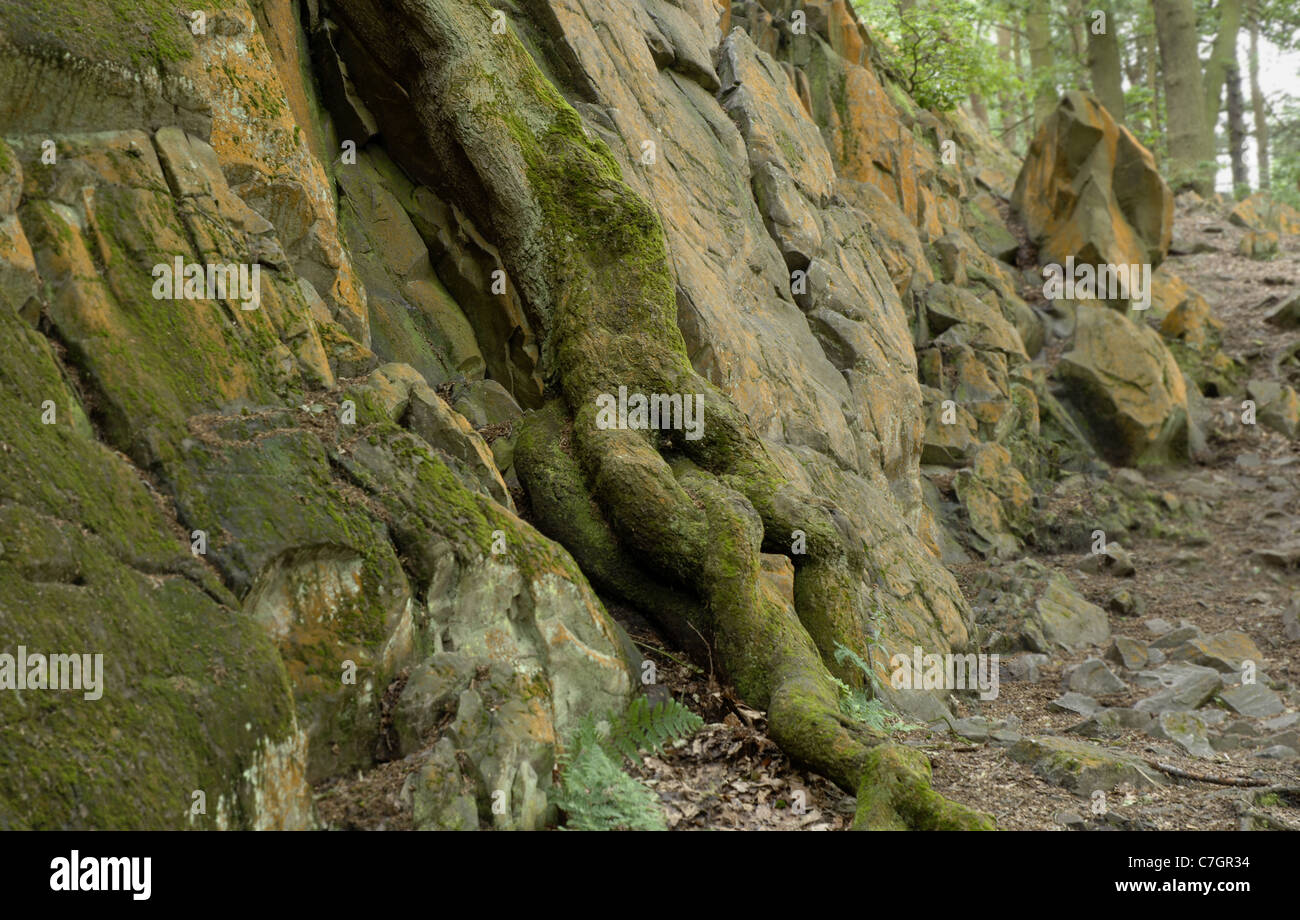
<point>1260,212</point>
<point>192,723</point>
<point>1083,767</point>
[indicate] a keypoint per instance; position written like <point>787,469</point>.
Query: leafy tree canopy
<point>937,50</point>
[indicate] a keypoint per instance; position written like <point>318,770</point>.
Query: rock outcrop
<point>1089,191</point>
<point>1091,198</point>
<point>355,505</point>
<point>260,528</point>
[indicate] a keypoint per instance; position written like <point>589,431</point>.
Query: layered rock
<point>931,189</point>
<point>1089,191</point>
<point>678,192</point>
<point>247,476</point>
<point>1129,390</point>
<point>1090,196</point>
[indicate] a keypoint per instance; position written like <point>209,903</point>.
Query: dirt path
<point>1205,570</point>
<point>1200,568</point>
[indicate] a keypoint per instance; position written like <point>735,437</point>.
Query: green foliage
<point>1284,147</point>
<point>843,653</point>
<point>1279,22</point>
<point>1139,102</point>
<point>863,706</point>
<point>597,795</point>
<point>649,728</point>
<point>936,50</point>
<point>595,792</point>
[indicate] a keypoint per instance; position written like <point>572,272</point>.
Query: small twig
<point>668,655</point>
<point>707,648</point>
<point>1203,777</point>
<point>1007,130</point>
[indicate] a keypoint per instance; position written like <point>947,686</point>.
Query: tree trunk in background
<point>1104,63</point>
<point>1237,135</point>
<point>1223,57</point>
<point>1078,43</point>
<point>1024,112</point>
<point>1006,113</point>
<point>1153,83</point>
<point>1136,66</point>
<point>1132,52</point>
<point>1257,101</point>
<point>977,106</point>
<point>1039,34</point>
<point>1190,140</point>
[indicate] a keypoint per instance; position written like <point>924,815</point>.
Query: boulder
<point>1113,560</point>
<point>1259,244</point>
<point>1129,653</point>
<point>1114,721</point>
<point>1093,678</point>
<point>1260,212</point>
<point>1027,667</point>
<point>1185,729</point>
<point>1026,606</point>
<point>1075,702</point>
<point>1089,190</point>
<point>1253,700</point>
<point>1083,767</point>
<point>1276,406</point>
<point>1286,314</point>
<point>1127,388</point>
<point>1184,687</point>
<point>1126,602</point>
<point>1183,313</point>
<point>1225,652</point>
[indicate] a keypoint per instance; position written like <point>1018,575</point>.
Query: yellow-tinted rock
<point>1127,386</point>
<point>1183,313</point>
<point>1277,406</point>
<point>1225,651</point>
<point>1089,190</point>
<point>1259,244</point>
<point>1261,212</point>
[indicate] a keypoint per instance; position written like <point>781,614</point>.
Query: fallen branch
<point>1203,777</point>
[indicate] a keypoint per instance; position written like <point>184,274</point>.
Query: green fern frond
<point>868,709</point>
<point>595,792</point>
<point>646,728</point>
<point>597,795</point>
<point>843,653</point>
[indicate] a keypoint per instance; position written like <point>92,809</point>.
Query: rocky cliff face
<point>295,531</point>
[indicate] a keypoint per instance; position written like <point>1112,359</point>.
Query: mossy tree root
<point>589,256</point>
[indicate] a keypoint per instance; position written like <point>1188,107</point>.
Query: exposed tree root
<point>589,256</point>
